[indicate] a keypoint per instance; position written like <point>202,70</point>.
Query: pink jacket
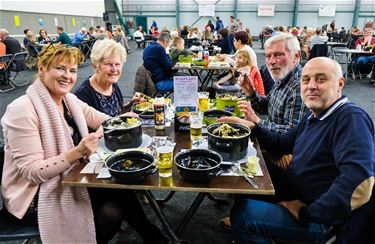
<point>24,156</point>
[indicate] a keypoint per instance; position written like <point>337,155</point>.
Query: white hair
<point>291,42</point>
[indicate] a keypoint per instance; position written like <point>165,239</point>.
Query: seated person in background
<point>174,33</point>
<point>157,61</point>
<point>244,68</point>
<point>222,41</point>
<point>193,33</point>
<point>25,39</point>
<point>240,43</point>
<point>2,52</point>
<point>330,180</point>
<point>139,37</point>
<point>102,34</point>
<point>43,37</point>
<point>178,49</point>
<point>102,92</point>
<point>207,34</point>
<point>32,49</point>
<point>79,36</point>
<point>12,46</point>
<point>91,33</point>
<point>63,38</point>
<point>185,31</point>
<point>250,41</point>
<point>155,32</point>
<point>364,63</point>
<point>318,38</point>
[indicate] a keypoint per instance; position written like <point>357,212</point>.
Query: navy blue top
<point>224,44</point>
<point>333,161</point>
<point>157,61</point>
<point>110,105</point>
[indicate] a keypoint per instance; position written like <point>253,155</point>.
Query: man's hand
<point>246,85</point>
<point>247,123</point>
<point>249,112</point>
<point>292,206</point>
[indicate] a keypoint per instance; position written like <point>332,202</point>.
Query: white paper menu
<point>185,91</point>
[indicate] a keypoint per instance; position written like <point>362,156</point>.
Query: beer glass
<point>164,155</point>
<point>196,123</point>
<point>203,101</point>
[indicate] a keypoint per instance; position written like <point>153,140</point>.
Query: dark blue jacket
<point>157,61</point>
<point>224,44</point>
<point>332,169</point>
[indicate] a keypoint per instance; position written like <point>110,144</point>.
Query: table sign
<point>185,100</point>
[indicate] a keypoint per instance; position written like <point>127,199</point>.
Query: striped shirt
<point>283,104</point>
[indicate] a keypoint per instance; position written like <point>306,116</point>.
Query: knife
<point>247,178</point>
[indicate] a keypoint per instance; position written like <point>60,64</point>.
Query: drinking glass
<point>164,155</point>
<point>196,123</point>
<point>203,101</point>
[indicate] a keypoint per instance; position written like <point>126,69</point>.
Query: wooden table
<point>197,71</point>
<point>219,184</point>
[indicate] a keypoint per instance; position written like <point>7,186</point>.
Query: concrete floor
<point>203,228</point>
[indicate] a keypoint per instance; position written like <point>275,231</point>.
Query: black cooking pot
<point>140,165</point>
<point>230,149</point>
<point>198,165</point>
<point>120,138</point>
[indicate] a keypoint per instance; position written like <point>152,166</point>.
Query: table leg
<point>191,211</point>
<point>154,205</point>
<point>206,79</point>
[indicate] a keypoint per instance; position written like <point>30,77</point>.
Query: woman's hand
<point>129,114</point>
<point>85,148</point>
<point>249,112</point>
<point>137,98</point>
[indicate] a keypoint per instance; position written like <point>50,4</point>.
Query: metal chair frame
<point>6,60</point>
<point>18,57</point>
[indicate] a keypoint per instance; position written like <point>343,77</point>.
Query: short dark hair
<point>223,32</point>
<point>241,36</point>
<point>25,31</point>
<point>60,28</point>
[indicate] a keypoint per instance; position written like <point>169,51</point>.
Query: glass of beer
<point>203,101</point>
<point>164,154</point>
<point>196,123</point>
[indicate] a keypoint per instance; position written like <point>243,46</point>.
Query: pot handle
<point>224,145</point>
<point>151,170</point>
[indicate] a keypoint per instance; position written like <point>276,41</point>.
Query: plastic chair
<point>319,50</point>
<point>139,41</point>
<point>5,84</point>
<point>8,230</point>
<point>18,65</point>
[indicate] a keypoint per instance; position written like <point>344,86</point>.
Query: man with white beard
<point>283,104</point>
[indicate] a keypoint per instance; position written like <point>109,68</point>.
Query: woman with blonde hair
<point>46,135</point>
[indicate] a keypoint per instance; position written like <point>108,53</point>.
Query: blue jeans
<point>256,221</point>
<point>364,64</point>
<point>165,85</point>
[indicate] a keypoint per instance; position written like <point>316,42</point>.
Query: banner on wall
<point>327,10</point>
<point>56,21</point>
<point>41,22</point>
<point>17,21</point>
<point>73,22</point>
<point>266,10</point>
<point>206,10</point>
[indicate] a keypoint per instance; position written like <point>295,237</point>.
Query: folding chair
<point>5,84</point>
<point>319,50</point>
<point>19,64</point>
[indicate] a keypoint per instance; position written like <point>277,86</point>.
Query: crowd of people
<point>319,146</point>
